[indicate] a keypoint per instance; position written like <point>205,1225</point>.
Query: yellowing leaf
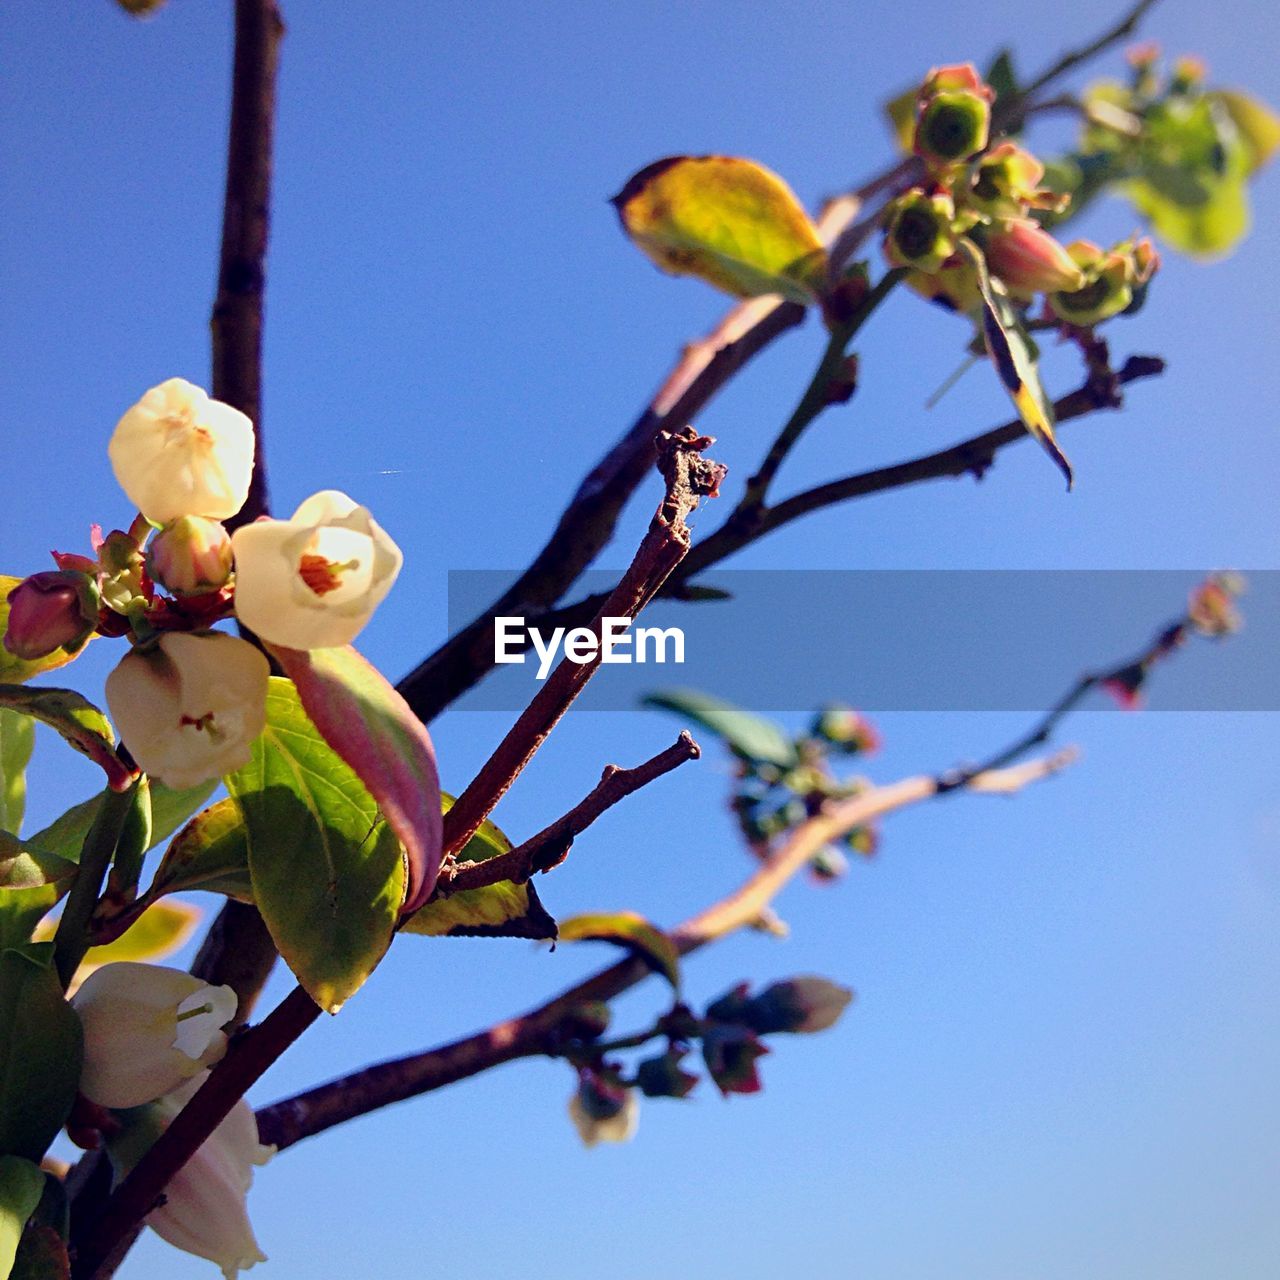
<point>1008,347</point>
<point>158,932</point>
<point>730,222</point>
<point>627,929</point>
<point>503,910</point>
<point>1258,125</point>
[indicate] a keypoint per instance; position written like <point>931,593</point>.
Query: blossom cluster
<point>992,198</point>
<point>150,1036</point>
<point>188,701</point>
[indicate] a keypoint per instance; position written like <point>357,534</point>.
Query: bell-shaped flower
<point>179,453</point>
<point>602,1110</point>
<point>204,1211</point>
<point>191,556</point>
<point>1029,260</point>
<point>56,609</point>
<point>1109,277</point>
<point>190,709</point>
<point>313,581</point>
<point>919,230</point>
<point>147,1030</point>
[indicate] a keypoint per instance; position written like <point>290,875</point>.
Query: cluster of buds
<point>189,702</point>
<point>991,196</point>
<point>605,1106</point>
<point>769,801</point>
<point>1211,612</point>
<point>150,1036</point>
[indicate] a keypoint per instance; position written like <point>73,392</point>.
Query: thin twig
<point>238,951</point>
<point>535,1032</point>
<point>550,846</point>
<point>690,477</point>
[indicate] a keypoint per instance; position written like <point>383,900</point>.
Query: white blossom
<point>190,709</point>
<point>313,581</point>
<point>179,453</point>
<point>619,1127</point>
<point>147,1030</point>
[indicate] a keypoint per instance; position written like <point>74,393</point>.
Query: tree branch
<point>238,951</point>
<point>551,845</point>
<point>689,477</point>
<point>535,1032</point>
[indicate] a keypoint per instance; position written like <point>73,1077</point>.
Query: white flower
<point>312,582</point>
<point>204,1210</point>
<point>179,453</point>
<point>620,1126</point>
<point>190,709</point>
<point>147,1030</point>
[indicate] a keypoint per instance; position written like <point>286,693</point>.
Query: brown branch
<point>536,1032</point>
<point>238,951</point>
<point>689,477</point>
<point>551,845</point>
<point>974,456</point>
<point>248,1057</point>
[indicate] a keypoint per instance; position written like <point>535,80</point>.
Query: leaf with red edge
<point>79,722</point>
<point>372,728</point>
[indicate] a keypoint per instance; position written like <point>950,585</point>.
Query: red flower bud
<point>49,611</point>
<point>1030,260</point>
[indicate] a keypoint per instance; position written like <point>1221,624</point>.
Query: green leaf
<point>749,735</point>
<point>211,852</point>
<point>1257,125</point>
<point>169,810</point>
<point>627,929</point>
<point>502,910</point>
<point>17,739</point>
<point>1010,350</point>
<point>1002,78</point>
<point>40,1052</point>
<point>79,722</point>
<point>900,112</point>
<point>488,842</point>
<point>19,670</point>
<point>1207,229</point>
<point>730,222</point>
<point>328,872</point>
<point>371,727</point>
<point>31,882</point>
<point>21,1186</point>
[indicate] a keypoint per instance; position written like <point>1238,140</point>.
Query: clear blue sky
<point>1062,1062</point>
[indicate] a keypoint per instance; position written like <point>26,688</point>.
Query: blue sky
<point>1062,1058</point>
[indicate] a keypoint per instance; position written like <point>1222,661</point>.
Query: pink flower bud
<point>191,556</point>
<point>49,611</point>
<point>1030,260</point>
<point>799,1005</point>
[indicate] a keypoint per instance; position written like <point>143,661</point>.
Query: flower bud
<point>1212,608</point>
<point>179,453</point>
<point>1029,260</point>
<point>828,864</point>
<point>204,1211</point>
<point>53,610</point>
<point>953,120</point>
<point>147,1029</point>
<point>730,1054</point>
<point>190,709</point>
<point>313,581</point>
<point>664,1077</point>
<point>846,729</point>
<point>730,1007</point>
<point>799,1005</point>
<point>122,572</point>
<point>918,230</point>
<point>602,1110</point>
<point>191,556</point>
<point>1006,182</point>
<point>1109,278</point>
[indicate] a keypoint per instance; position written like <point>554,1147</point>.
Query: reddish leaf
<point>372,728</point>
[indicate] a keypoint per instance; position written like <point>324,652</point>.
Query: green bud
<point>919,231</point>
